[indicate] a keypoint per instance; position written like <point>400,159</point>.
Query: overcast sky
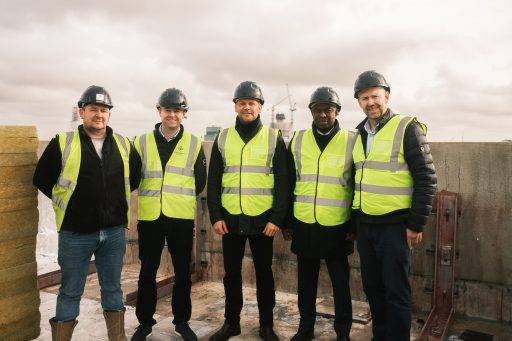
<point>448,62</point>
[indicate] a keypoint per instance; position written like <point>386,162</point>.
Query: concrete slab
<point>208,316</point>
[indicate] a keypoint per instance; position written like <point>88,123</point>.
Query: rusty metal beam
<point>441,315</point>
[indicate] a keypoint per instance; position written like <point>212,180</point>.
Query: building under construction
<point>461,275</point>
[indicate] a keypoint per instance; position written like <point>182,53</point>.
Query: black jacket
<point>419,160</point>
<point>315,240</point>
<point>165,150</point>
<point>99,198</point>
<point>243,224</point>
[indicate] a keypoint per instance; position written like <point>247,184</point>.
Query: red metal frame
<point>441,315</point>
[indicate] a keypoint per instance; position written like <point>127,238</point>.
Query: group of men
<point>330,187</point>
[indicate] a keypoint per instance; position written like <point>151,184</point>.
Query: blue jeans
<point>385,264</point>
<point>75,252</point>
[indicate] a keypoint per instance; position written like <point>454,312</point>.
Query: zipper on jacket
<point>240,188</point>
<point>316,184</point>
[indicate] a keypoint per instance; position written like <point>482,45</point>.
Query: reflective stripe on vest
<point>70,147</point>
<point>172,193</point>
<point>383,182</point>
<point>323,190</point>
<point>248,178</point>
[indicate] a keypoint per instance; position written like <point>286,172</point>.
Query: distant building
<point>75,118</point>
<point>211,132</point>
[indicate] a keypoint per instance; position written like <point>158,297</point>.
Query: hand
<point>413,238</point>
<point>287,234</point>
<point>271,229</point>
<point>220,227</point>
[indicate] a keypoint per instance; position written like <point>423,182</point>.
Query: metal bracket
<point>441,315</point>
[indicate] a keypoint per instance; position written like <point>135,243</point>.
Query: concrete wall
<point>481,173</point>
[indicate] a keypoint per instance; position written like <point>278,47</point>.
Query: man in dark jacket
<point>395,183</point>
<point>247,200</point>
<point>321,167</point>
<point>173,174</point>
<point>89,174</point>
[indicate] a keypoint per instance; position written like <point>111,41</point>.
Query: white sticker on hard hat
<point>100,97</point>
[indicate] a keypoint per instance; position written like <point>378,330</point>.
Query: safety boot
<point>62,330</point>
<point>115,325</point>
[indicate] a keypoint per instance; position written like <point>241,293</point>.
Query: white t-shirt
<point>98,145</point>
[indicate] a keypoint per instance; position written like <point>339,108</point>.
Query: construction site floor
<point>208,316</point>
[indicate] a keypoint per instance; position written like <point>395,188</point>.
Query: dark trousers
<point>233,247</point>
<point>179,237</point>
<point>385,264</point>
<point>339,271</point>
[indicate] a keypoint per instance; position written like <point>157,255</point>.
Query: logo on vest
<point>180,150</point>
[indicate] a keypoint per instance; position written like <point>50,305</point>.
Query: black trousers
<point>152,237</point>
<point>339,272</point>
<point>233,247</point>
<point>385,264</point>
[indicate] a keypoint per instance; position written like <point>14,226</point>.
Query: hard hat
<point>370,79</point>
<point>325,94</point>
<point>95,95</point>
<point>172,98</point>
<point>248,89</point>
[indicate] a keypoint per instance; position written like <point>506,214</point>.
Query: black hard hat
<point>172,98</point>
<point>248,89</point>
<point>370,79</point>
<point>325,94</point>
<point>95,95</point>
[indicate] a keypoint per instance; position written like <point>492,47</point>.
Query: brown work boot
<point>115,325</point>
<point>62,330</point>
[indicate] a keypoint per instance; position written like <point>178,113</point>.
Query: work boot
<point>225,332</point>
<point>267,334</point>
<point>303,336</point>
<point>186,333</point>
<point>115,325</point>
<point>142,332</point>
<point>62,330</point>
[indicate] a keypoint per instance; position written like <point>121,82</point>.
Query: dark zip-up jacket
<point>165,150</point>
<point>420,163</point>
<point>315,240</point>
<point>243,224</point>
<point>99,198</point>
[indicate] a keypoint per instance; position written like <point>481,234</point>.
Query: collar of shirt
<point>325,134</point>
<point>371,136</point>
<point>170,138</point>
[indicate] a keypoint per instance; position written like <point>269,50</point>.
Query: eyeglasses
<point>328,111</point>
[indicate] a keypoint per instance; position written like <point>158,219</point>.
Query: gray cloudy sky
<point>448,62</point>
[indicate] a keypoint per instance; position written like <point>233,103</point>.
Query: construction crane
<point>279,120</point>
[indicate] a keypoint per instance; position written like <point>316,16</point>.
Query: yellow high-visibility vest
<point>174,192</point>
<point>248,178</point>
<point>383,182</point>
<point>70,147</point>
<point>323,190</point>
